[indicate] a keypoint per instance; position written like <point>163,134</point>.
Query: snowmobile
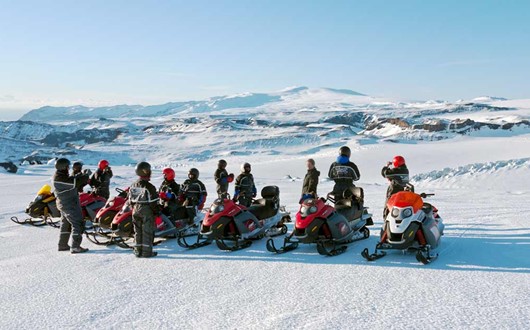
<point>329,222</point>
<point>122,226</point>
<point>227,221</point>
<point>91,204</point>
<point>410,225</point>
<point>42,210</point>
<point>100,232</point>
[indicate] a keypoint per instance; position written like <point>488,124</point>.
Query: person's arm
<point>154,198</point>
<point>329,172</point>
<point>356,170</point>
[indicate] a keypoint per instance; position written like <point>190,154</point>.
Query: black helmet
<point>62,164</point>
<point>244,167</point>
<point>345,151</point>
<point>222,163</point>
<point>143,169</point>
<point>194,172</point>
<point>77,165</point>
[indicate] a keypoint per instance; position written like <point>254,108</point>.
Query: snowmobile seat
<point>268,205</point>
<point>348,208</point>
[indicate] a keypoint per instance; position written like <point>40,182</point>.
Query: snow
<point>481,279</point>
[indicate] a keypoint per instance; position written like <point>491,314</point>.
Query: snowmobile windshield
<point>308,208</point>
<point>217,207</point>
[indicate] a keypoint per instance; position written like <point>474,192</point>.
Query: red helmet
<point>169,174</point>
<point>398,161</point>
<point>103,164</point>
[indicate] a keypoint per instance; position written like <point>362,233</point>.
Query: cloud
<point>7,98</point>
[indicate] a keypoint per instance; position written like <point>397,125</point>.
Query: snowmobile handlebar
<point>424,195</point>
<point>120,191</point>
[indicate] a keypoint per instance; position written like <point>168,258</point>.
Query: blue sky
<point>106,52</point>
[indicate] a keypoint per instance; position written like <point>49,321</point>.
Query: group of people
<point>147,202</point>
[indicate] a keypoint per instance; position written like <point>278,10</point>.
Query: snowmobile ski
<point>425,257</point>
<point>287,246</point>
<point>181,241</point>
<point>334,251</point>
<point>238,244</point>
<point>374,256</point>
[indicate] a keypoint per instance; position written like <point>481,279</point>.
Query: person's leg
<point>64,237</point>
<point>138,233</point>
<point>148,234</point>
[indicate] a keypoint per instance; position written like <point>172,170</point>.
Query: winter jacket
<point>310,182</point>
<point>143,197</point>
<point>81,179</point>
<point>398,178</point>
<point>193,191</point>
<point>100,181</point>
<point>221,178</point>
<point>172,191</point>
<point>245,185</point>
<point>344,173</point>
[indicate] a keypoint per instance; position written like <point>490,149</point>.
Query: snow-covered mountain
<point>293,121</point>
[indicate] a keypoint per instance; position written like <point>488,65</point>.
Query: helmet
<point>244,167</point>
<point>193,172</point>
<point>398,161</point>
<point>143,169</point>
<point>103,164</point>
<point>62,164</point>
<point>169,174</point>
<point>78,165</point>
<point>222,163</point>
<point>345,151</point>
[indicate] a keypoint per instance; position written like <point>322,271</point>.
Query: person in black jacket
<point>309,188</point>
<point>193,194</point>
<point>82,176</point>
<point>397,176</point>
<point>70,207</point>
<point>222,178</point>
<point>245,189</point>
<point>144,201</point>
<point>168,192</point>
<point>343,172</point>
<point>100,180</point>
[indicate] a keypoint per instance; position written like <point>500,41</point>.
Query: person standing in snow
<point>309,188</point>
<point>397,176</point>
<point>343,172</point>
<point>82,177</point>
<point>100,180</point>
<point>144,201</point>
<point>222,178</point>
<point>193,194</point>
<point>70,207</point>
<point>245,189</point>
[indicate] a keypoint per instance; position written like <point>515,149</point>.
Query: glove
<point>230,177</point>
<point>254,195</point>
<point>182,198</point>
<point>162,195</point>
<point>224,180</point>
<point>388,163</point>
<point>254,192</point>
<point>87,171</point>
<point>170,195</point>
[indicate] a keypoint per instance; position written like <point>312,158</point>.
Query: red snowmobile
<point>330,223</point>
<point>100,232</point>
<point>227,221</point>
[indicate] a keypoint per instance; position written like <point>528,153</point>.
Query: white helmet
<point>244,167</point>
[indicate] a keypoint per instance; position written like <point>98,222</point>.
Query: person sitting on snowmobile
<point>100,180</point>
<point>82,176</point>
<point>193,194</point>
<point>143,199</point>
<point>245,188</point>
<point>70,207</point>
<point>309,188</point>
<point>343,172</point>
<point>222,178</point>
<point>398,178</point>
<point>168,192</point>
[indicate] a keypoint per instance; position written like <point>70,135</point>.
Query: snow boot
<point>79,250</point>
<point>150,255</point>
<point>64,248</point>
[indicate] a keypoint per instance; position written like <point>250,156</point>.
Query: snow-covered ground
<point>481,279</point>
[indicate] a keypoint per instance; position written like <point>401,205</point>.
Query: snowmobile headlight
<point>306,210</point>
<point>216,208</point>
<point>395,212</point>
<point>110,203</point>
<point>407,212</point>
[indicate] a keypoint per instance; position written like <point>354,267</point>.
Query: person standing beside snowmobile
<point>100,180</point>
<point>70,207</point>
<point>309,188</point>
<point>193,194</point>
<point>397,176</point>
<point>245,189</point>
<point>343,172</point>
<point>168,192</point>
<point>143,199</point>
<point>222,178</point>
<point>82,177</point>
